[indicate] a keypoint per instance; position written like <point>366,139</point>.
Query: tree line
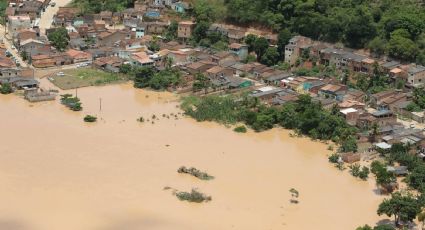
<point>395,28</point>
<point>305,116</point>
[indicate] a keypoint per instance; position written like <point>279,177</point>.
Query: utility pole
<point>100,104</point>
<point>76,92</point>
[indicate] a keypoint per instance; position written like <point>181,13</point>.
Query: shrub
<point>195,172</point>
<point>90,118</point>
<point>141,119</point>
<point>240,129</point>
<point>355,170</point>
<point>73,103</point>
<point>334,158</point>
<point>193,196</point>
<point>6,88</point>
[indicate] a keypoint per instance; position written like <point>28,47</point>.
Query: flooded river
<point>59,173</point>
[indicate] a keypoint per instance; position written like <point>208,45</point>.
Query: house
<point>25,35</point>
<point>416,75</point>
<point>275,78</point>
<point>350,114</point>
<point>65,15</point>
<point>141,59</point>
<point>20,83</point>
<point>266,93</point>
<point>112,38</point>
<point>111,64</point>
<point>377,97</point>
<point>185,29</point>
<point>352,104</point>
<point>218,71</point>
<point>285,96</point>
<point>240,50</point>
<point>199,67</point>
<point>34,47</point>
<point>155,27</point>
<point>18,23</point>
<point>389,103</point>
<point>333,91</point>
<point>31,8</point>
<point>106,16</point>
<point>152,14</point>
<point>236,35</point>
<point>79,56</point>
<point>293,48</point>
<point>181,7</point>
<point>384,117</point>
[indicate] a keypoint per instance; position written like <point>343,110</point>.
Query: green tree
<point>377,46</point>
<point>125,68</point>
<point>282,40</point>
<point>402,47</point>
<point>201,83</point>
<point>143,76</point>
<point>260,47</point>
<point>171,32</point>
<point>250,40</point>
<point>402,207</point>
<point>382,176</point>
<point>360,29</point>
<point>59,38</point>
<point>270,57</point>
<point>6,88</point>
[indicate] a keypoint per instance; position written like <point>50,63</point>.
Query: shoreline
<point>118,179</point>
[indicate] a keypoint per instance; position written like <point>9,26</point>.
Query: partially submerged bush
<point>334,158</point>
<point>90,118</point>
<point>73,103</point>
<point>195,172</point>
<point>240,129</point>
<point>193,196</point>
<point>141,119</point>
<point>6,88</point>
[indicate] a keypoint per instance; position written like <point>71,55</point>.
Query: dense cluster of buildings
<point>109,40</point>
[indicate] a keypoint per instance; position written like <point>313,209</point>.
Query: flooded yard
<point>57,172</point>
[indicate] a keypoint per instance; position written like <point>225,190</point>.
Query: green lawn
<point>83,77</point>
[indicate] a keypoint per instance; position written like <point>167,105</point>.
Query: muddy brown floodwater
<point>57,172</point>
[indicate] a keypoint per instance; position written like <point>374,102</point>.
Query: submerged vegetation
<point>193,196</point>
<point>195,172</point>
<point>73,103</point>
<point>305,116</point>
<point>90,118</point>
<point>240,129</point>
<point>6,88</point>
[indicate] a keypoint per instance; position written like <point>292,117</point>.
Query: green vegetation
<point>357,171</point>
<point>73,103</point>
<point>418,103</point>
<point>382,176</point>
<point>193,196</point>
<point>96,6</point>
<point>141,119</point>
<point>59,38</point>
<point>334,158</point>
<point>404,207</point>
<point>6,88</point>
<point>305,116</point>
<point>90,118</point>
<point>147,77</point>
<point>3,6</point>
<point>392,27</point>
<point>195,172</point>
<point>83,77</point>
<point>240,129</point>
<point>379,227</point>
